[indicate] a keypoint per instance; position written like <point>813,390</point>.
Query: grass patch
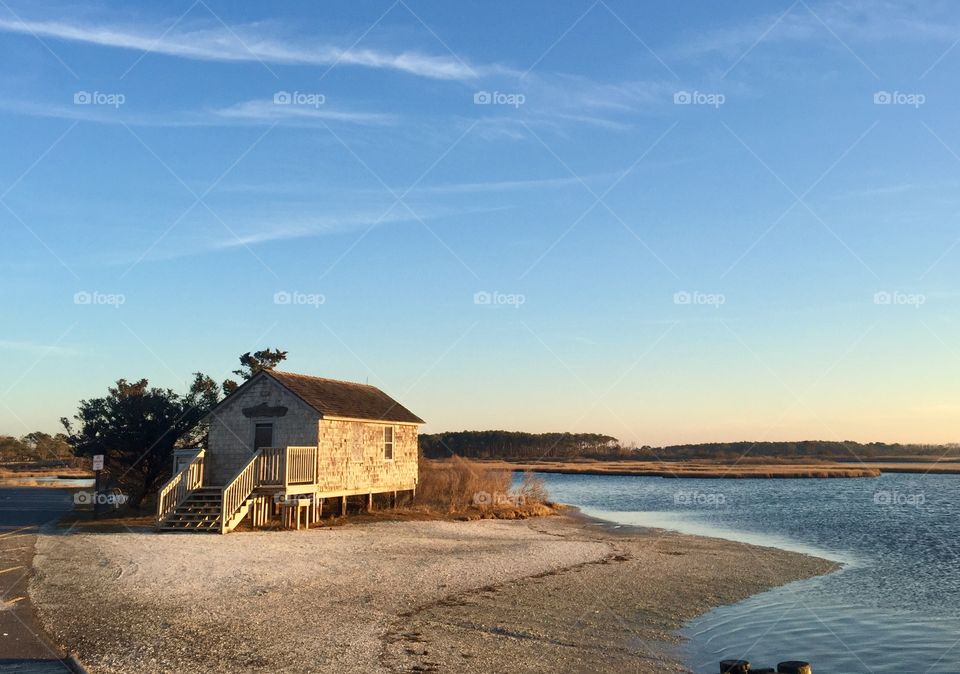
<point>473,490</point>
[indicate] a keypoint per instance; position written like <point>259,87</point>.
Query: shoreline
<point>735,536</point>
<point>719,470</point>
<point>562,592</point>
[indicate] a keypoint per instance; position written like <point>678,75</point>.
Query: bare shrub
<point>532,489</point>
<point>454,484</point>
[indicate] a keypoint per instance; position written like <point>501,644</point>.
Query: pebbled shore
<point>546,594</point>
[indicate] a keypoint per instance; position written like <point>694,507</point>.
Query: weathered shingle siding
<point>351,456</point>
<point>231,433</point>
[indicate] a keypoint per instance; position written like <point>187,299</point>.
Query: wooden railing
<point>301,466</point>
<point>268,467</point>
<point>176,490</point>
<point>238,490</point>
<point>286,466</point>
<point>272,470</point>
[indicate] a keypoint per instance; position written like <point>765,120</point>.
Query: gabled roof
<point>334,398</point>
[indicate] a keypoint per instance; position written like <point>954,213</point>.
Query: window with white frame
<point>388,443</point>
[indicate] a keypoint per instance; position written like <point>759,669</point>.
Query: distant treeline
<point>515,445</point>
<point>827,449</point>
<point>36,446</point>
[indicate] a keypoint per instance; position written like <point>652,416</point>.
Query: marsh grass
<point>456,484</point>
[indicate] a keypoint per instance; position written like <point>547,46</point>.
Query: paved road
<point>23,645</point>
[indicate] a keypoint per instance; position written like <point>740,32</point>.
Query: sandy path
<point>313,600</point>
<point>534,595</point>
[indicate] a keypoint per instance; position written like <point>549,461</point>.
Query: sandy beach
<point>556,593</point>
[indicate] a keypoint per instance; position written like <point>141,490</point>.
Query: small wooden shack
<point>291,441</point>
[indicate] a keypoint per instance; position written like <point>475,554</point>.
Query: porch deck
<point>258,489</point>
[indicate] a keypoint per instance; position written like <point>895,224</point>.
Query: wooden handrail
<point>272,466</point>
<point>286,466</point>
<point>239,489</point>
<point>301,466</point>
<point>178,488</point>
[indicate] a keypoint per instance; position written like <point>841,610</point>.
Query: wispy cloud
<point>900,188</point>
<point>283,229</point>
<point>558,102</point>
<point>36,349</point>
<point>209,236</point>
<point>554,101</point>
<point>244,44</point>
<point>253,112</point>
<point>463,188</point>
<point>267,111</point>
<point>505,185</point>
<point>574,92</point>
<point>854,21</point>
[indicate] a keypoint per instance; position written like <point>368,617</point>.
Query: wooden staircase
<point>185,503</point>
<point>201,511</point>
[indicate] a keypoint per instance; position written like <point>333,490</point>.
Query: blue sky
<point>668,222</point>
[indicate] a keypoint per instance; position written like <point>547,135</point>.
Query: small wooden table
<point>292,508</point>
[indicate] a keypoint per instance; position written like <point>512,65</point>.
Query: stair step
<point>191,520</point>
<point>201,511</point>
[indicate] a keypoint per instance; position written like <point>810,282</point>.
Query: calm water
<point>895,606</point>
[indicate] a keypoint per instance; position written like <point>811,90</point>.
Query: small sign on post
<point>98,485</point>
